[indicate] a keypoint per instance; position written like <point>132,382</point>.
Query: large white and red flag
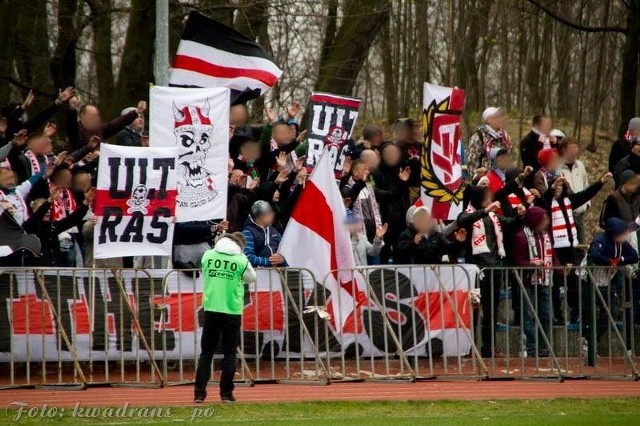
<point>441,178</point>
<point>317,239</point>
<point>211,54</point>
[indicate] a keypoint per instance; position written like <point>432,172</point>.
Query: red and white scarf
<point>479,235</point>
<point>540,251</point>
<point>495,139</point>
<point>561,227</point>
<point>515,201</point>
<point>63,205</point>
<point>34,163</point>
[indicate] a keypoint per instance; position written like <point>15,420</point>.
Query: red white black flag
<point>211,54</point>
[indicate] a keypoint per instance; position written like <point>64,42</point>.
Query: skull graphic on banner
<point>193,130</point>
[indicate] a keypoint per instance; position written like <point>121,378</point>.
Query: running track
<point>428,390</point>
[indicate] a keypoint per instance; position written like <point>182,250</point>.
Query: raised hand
<point>282,177</point>
<point>50,130</point>
<point>380,231</point>
<point>405,174</point>
<point>293,109</point>
<point>527,171</point>
<point>66,94</point>
<point>270,114</point>
<point>28,101</point>
<point>606,178</point>
<point>60,158</point>
<point>94,142</point>
<point>20,138</point>
<point>281,160</point>
<point>493,207</point>
<point>90,195</point>
<point>302,136</point>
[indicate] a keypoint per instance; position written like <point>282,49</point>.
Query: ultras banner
<point>167,305</point>
<point>135,201</point>
<point>441,183</point>
<point>332,120</point>
<point>196,121</point>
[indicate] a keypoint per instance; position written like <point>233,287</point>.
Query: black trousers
<point>217,324</point>
<point>490,286</point>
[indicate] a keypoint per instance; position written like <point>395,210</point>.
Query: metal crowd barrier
<point>584,325</point>
<point>85,327</point>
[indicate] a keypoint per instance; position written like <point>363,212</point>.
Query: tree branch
<point>575,26</point>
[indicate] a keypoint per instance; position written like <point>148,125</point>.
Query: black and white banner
<point>332,120</point>
<point>135,201</point>
<point>196,121</point>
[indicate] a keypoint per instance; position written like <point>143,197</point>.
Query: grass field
<point>511,412</point>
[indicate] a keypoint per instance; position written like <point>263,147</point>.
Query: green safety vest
<point>223,285</point>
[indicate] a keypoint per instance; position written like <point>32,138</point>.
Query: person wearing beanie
<point>629,162</point>
<point>491,134</point>
<point>533,248</point>
<point>485,247</point>
<point>132,134</point>
<point>421,244</point>
<point>362,248</point>
<point>577,177</point>
<point>611,248</point>
<point>622,147</point>
<point>262,239</point>
<point>536,140</point>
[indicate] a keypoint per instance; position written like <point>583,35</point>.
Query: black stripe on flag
<point>202,29</point>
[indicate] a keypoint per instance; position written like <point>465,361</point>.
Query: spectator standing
<point>577,178</point>
<point>536,140</point>
<point>491,134</point>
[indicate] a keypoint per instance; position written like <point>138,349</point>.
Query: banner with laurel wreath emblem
<point>441,178</point>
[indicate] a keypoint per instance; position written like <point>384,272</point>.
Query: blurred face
<point>497,121</point>
<point>417,132</point>
<point>391,156</point>
<point>361,171</point>
<point>632,186</point>
<point>7,179</point>
<point>486,200</point>
<point>554,164</point>
<point>90,118</point>
<point>543,225</point>
<point>404,133</point>
<point>504,162</point>
<point>372,159</point>
<point>353,228</point>
<point>636,149</point>
<point>238,178</point>
<point>39,145</point>
<point>63,179</point>
<point>377,138</point>
<point>545,125</point>
<point>266,219</point>
<point>82,182</point>
<point>635,132</point>
<point>422,222</point>
<point>281,134</point>
<point>238,115</point>
<point>138,123</point>
<point>250,151</point>
<point>571,153</point>
<point>621,238</point>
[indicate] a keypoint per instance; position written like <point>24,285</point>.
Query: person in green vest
<point>225,271</point>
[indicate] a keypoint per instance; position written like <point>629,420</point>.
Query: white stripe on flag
<point>180,77</point>
<point>226,59</point>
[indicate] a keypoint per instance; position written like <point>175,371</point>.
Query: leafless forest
<point>573,59</point>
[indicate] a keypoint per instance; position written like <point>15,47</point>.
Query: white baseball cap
<point>491,112</point>
<point>557,133</point>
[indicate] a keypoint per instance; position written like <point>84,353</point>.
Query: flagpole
<point>161,60</point>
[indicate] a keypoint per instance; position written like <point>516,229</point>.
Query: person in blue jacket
<point>262,238</point>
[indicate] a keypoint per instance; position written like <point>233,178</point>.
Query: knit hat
<point>627,176</point>
<point>260,208</point>
<point>420,209</point>
<point>491,112</point>
<point>535,215</point>
<point>409,215</point>
<point>545,156</point>
<point>352,218</point>
<point>127,110</point>
<point>634,124</point>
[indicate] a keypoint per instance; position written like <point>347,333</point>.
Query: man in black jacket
<point>536,140</point>
<point>630,162</point>
<point>622,147</point>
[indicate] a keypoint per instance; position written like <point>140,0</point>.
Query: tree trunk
<point>102,52</point>
<point>136,70</point>
<point>390,89</point>
<point>340,67</point>
<point>630,57</point>
<point>63,63</point>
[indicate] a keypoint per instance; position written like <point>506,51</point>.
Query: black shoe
<point>198,400</point>
<point>227,397</point>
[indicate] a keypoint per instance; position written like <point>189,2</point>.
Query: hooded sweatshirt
<point>604,251</point>
<point>262,242</point>
<point>225,270</point>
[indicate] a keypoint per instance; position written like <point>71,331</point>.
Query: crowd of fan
<point>528,216</point>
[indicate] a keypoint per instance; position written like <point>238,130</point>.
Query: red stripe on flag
<point>440,211</point>
<point>313,211</point>
<point>336,100</point>
<point>441,314</point>
<point>203,67</point>
<point>103,199</point>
